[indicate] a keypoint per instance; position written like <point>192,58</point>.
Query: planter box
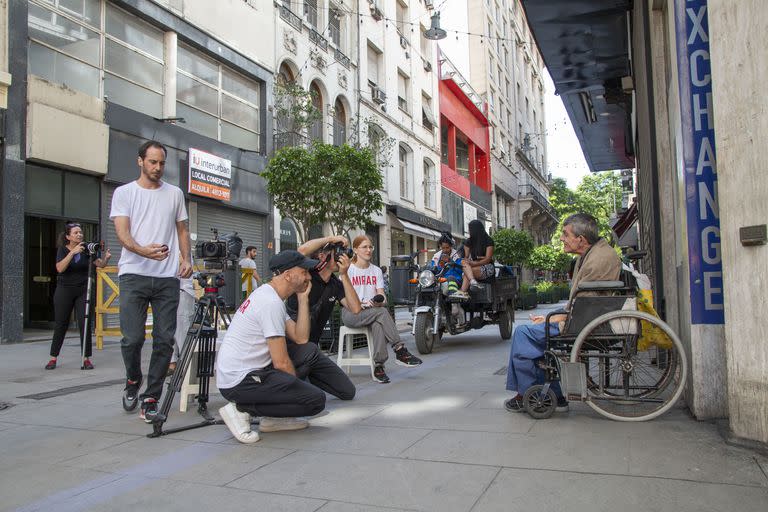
<point>527,300</point>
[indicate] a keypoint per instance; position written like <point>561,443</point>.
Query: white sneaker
<point>267,424</point>
<point>239,423</point>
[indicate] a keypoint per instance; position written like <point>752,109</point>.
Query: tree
<point>548,258</point>
<point>295,111</point>
<point>512,246</point>
<point>598,194</point>
<point>324,183</point>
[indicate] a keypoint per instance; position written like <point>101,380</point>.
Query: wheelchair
<point>596,358</point>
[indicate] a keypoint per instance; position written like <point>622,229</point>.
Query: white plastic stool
<point>346,339</point>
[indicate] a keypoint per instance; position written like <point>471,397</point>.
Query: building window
<point>430,184</point>
<point>215,101</point>
<point>339,123</point>
<point>444,143</point>
<point>70,45</point>
<point>427,117</point>
<point>376,139</point>
<point>316,130</point>
<point>401,17</point>
<point>310,9</point>
<point>406,189</point>
<point>402,92</point>
<point>462,154</point>
<point>334,26</point>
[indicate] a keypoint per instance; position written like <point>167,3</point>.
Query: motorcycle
<point>436,311</point>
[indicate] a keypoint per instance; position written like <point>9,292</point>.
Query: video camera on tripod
<point>220,256</point>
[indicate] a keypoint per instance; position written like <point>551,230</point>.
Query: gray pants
<point>383,329</point>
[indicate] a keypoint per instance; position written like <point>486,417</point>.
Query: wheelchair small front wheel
<point>539,405</point>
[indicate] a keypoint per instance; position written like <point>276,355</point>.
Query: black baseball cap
<point>286,260</point>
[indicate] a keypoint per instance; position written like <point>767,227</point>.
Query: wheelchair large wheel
<point>623,383</point>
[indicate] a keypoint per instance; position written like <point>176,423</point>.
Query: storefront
<point>53,197</point>
<point>411,231</point>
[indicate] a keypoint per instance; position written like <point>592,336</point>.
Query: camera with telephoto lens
<point>338,249</point>
<point>93,248</point>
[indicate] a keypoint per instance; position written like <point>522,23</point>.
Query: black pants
<point>65,299</point>
<point>270,392</point>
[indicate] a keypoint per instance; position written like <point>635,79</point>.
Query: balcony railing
<point>538,198</point>
<point>342,59</point>
<point>290,17</point>
<point>318,39</point>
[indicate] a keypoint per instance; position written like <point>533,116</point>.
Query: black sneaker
<point>405,358</point>
<point>148,410</point>
<point>562,405</point>
<point>514,404</point>
<point>131,394</point>
<point>379,375</point>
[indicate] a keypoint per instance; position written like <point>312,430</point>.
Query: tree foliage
<point>598,194</point>
<point>295,110</point>
<point>512,246</point>
<point>548,258</point>
<point>325,183</point>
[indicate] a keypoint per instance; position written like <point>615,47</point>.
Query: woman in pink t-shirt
<point>368,281</point>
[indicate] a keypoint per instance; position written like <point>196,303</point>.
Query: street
<point>436,439</point>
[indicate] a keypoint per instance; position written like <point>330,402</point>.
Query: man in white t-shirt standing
<point>151,223</point>
<point>256,369</point>
<point>250,262</point>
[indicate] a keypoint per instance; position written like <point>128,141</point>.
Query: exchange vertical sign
<point>703,217</point>
<point>209,175</point>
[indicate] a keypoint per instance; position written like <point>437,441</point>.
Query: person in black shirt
<point>477,263</point>
<point>327,290</point>
<point>72,264</point>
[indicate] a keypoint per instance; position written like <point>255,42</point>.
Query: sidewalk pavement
<point>436,439</point>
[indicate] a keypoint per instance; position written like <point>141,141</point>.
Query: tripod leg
<point>185,358</point>
<point>86,334</point>
<point>205,368</point>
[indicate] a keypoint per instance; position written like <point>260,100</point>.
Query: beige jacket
<point>599,263</point>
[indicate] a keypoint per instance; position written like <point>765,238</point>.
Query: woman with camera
<point>368,282</point>
<point>72,265</point>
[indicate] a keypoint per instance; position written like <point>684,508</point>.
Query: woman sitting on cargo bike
<point>626,364</point>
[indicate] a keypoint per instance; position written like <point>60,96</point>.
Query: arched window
<point>316,130</point>
<point>339,123</point>
<point>406,173</point>
<point>430,185</point>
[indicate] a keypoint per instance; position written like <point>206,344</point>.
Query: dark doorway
<point>40,235</point>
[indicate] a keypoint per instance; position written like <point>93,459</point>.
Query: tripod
<point>202,334</point>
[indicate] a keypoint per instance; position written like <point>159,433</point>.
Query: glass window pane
<point>240,86</point>
<point>131,30</point>
<point>85,10</point>
<point>239,113</point>
<point>61,33</point>
<point>43,190</point>
<point>198,121</point>
<point>134,66</point>
<point>197,65</point>
<point>81,196</point>
<point>238,137</point>
<point>58,68</point>
<point>132,96</point>
<point>197,94</point>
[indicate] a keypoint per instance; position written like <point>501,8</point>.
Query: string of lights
<point>416,23</point>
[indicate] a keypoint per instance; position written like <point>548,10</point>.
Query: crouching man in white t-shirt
<point>254,369</point>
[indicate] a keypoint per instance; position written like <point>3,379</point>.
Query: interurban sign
<point>703,216</point>
<point>209,175</point>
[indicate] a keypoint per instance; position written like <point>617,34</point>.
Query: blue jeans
<point>528,344</point>
<point>136,294</point>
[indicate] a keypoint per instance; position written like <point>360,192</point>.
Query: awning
<point>627,219</point>
<point>422,231</point>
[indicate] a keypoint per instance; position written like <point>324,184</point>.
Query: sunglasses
<point>72,225</point>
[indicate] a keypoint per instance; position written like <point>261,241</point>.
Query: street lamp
<point>435,32</point>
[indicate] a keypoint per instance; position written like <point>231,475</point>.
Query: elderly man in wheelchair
<point>626,364</point>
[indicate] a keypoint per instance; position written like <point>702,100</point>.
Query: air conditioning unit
<point>378,96</point>
<point>429,4</point>
<point>403,41</point>
<point>427,65</point>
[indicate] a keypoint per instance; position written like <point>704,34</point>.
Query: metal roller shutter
<point>249,227</point>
